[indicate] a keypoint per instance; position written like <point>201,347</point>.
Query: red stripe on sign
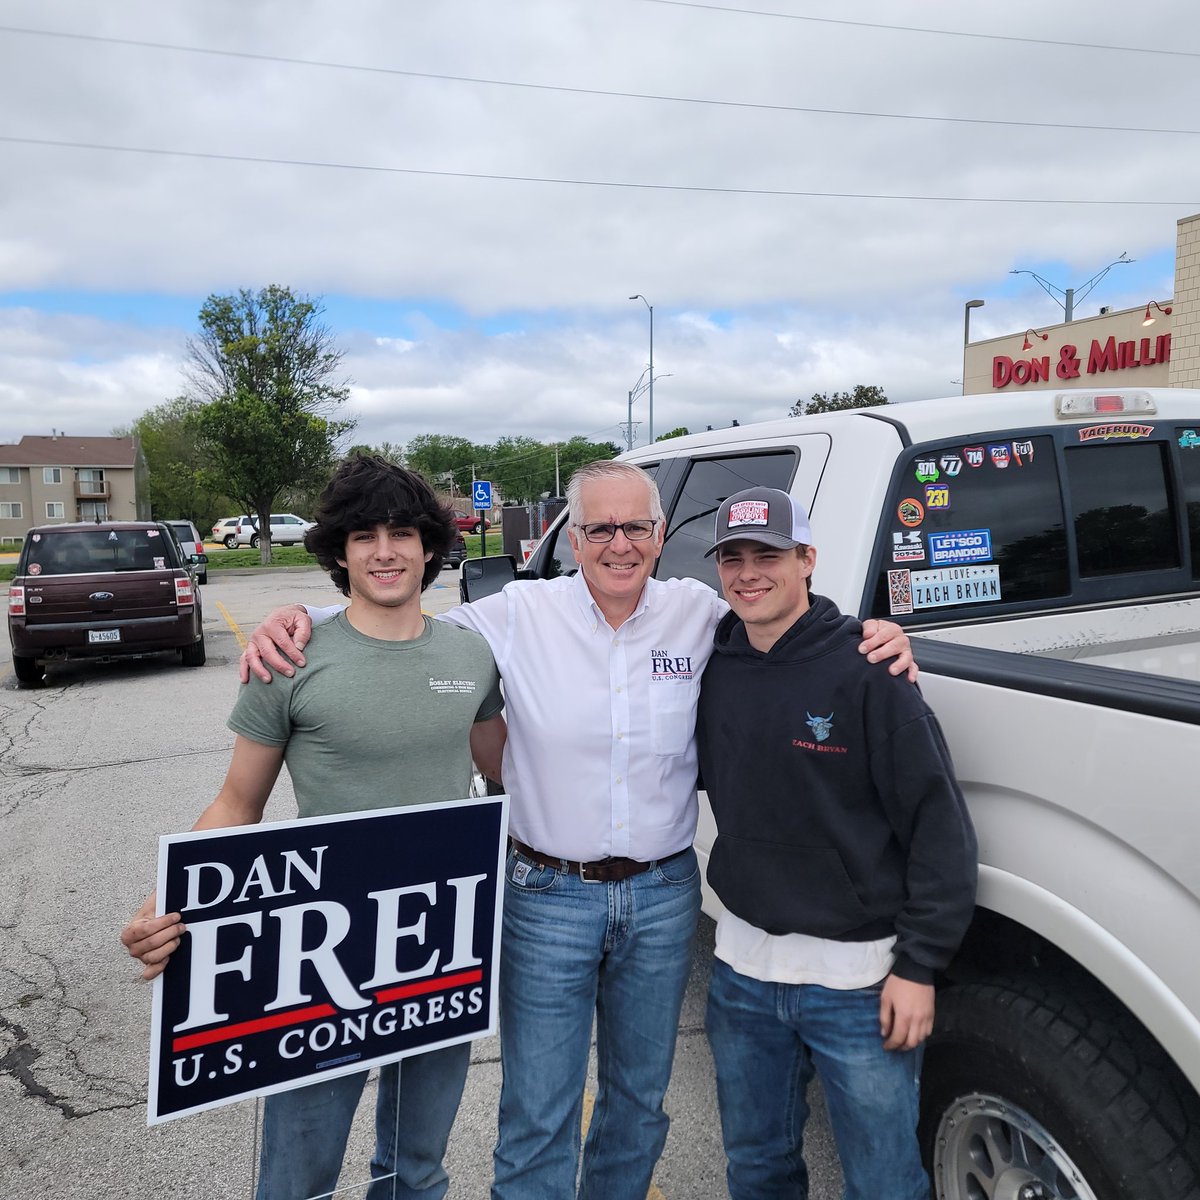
<point>429,985</point>
<point>227,1032</point>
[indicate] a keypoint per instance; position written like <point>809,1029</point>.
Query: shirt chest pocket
<point>672,717</point>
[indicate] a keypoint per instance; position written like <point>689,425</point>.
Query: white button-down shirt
<point>601,751</point>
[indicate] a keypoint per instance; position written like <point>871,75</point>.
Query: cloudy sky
<point>475,188</point>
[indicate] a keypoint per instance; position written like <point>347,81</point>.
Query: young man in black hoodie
<point>846,863</point>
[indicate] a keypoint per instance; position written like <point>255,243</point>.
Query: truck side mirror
<point>482,576</point>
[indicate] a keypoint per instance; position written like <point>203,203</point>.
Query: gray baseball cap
<point>761,514</point>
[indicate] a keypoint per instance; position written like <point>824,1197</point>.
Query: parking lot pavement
<point>92,768</point>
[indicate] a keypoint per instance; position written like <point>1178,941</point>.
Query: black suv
<point>100,591</point>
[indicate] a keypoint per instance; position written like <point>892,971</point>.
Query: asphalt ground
<point>93,768</point>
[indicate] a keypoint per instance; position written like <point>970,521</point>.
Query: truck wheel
<point>254,540</point>
<point>193,655</point>
<point>29,672</point>
<point>1028,1093</point>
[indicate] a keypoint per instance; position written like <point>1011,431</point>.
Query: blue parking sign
<point>481,494</point>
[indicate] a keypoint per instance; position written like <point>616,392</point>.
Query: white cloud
<point>759,299</point>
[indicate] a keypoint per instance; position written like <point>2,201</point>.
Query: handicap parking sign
<point>481,492</point>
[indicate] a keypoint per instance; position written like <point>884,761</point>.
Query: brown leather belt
<point>604,870</point>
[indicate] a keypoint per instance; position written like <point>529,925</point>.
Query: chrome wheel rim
<point>989,1149</point>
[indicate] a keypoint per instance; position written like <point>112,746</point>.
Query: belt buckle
<point>584,867</point>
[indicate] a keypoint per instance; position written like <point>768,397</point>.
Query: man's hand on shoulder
<point>905,1013</point>
<point>885,639</point>
<point>286,629</point>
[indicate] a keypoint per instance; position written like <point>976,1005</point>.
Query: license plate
<point>104,635</point>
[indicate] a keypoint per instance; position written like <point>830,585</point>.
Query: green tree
<point>444,460</point>
<point>578,452</point>
<point>263,373</point>
<point>678,431</point>
<point>823,402</point>
<point>175,478</point>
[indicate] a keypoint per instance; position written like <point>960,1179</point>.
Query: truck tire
<point>29,672</point>
<point>193,655</point>
<point>1052,1093</point>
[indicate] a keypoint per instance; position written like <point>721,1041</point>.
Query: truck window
<point>708,482</point>
<point>1136,534</point>
<point>974,523</point>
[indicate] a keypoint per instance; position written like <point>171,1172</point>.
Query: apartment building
<point>44,480</point>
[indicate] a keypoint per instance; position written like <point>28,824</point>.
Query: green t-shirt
<point>373,724</point>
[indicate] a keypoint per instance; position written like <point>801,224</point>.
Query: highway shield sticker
<point>960,546</point>
<point>951,464</point>
<point>974,455</point>
<point>927,470</point>
<point>955,585</point>
<point>1023,453</point>
<point>937,496</point>
<point>1000,456</point>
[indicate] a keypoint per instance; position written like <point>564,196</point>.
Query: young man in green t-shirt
<point>373,684</point>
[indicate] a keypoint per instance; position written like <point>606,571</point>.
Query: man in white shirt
<point>601,674</point>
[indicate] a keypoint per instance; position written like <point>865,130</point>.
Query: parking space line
<point>237,632</point>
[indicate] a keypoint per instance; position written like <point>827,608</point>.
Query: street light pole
<point>650,403</point>
<point>970,304</point>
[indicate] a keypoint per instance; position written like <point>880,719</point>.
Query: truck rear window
<point>978,523</point>
<point>83,552</point>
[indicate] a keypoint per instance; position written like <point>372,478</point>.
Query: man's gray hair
<point>608,469</point>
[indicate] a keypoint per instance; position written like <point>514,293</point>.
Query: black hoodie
<point>837,810</point>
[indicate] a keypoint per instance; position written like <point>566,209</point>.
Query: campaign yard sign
<point>320,947</point>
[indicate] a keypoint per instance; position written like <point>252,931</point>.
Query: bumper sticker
<point>955,585</point>
<point>960,546</point>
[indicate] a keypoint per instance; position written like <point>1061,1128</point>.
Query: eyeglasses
<point>605,531</point>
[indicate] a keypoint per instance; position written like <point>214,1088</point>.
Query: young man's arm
<point>914,777</point>
<point>487,746</point>
<point>241,801</point>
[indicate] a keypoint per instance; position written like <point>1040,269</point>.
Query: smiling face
<point>385,565</point>
<point>766,587</point>
<point>616,571</point>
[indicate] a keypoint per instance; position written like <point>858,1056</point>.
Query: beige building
<point>45,480</point>
<point>1156,344</point>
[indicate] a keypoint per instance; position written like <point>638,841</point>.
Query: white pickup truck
<point>1043,551</point>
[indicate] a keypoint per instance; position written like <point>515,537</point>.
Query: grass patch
<point>7,571</point>
<point>243,556</point>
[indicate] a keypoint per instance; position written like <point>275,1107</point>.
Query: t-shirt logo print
<point>821,726</point>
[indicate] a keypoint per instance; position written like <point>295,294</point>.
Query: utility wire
<point>989,37</point>
<point>212,156</point>
<point>609,93</point>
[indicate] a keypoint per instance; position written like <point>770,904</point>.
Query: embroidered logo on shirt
<point>820,726</point>
<point>455,687</point>
<point>664,666</point>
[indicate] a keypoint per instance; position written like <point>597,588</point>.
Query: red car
<point>472,522</point>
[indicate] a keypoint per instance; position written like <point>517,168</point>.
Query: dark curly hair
<point>366,491</point>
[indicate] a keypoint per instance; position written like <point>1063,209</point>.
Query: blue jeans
<point>767,1040</point>
<point>304,1131</point>
<point>571,951</point>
